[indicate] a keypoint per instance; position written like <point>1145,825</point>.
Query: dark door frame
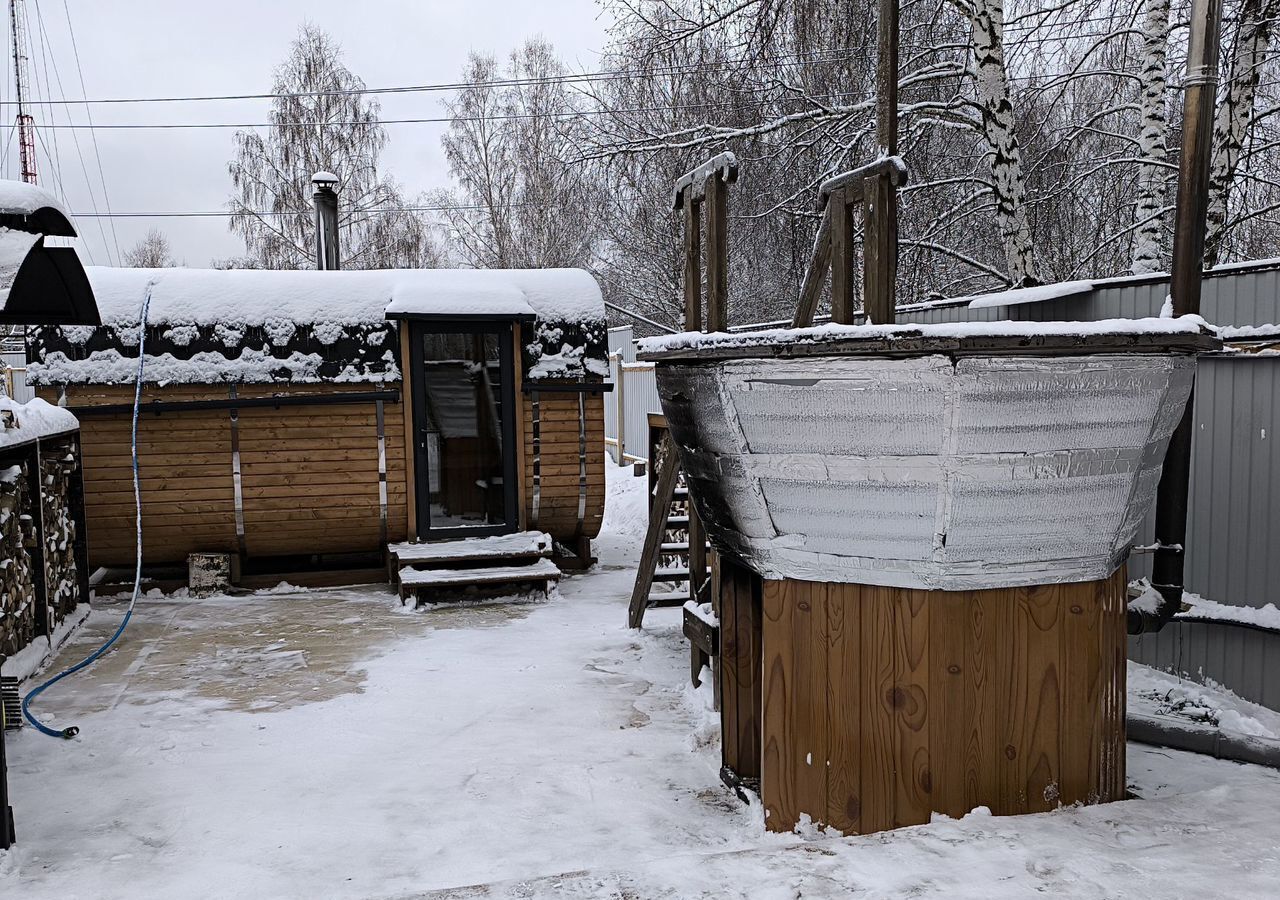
<point>505,331</point>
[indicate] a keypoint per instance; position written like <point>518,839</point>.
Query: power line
<point>102,175</point>
<point>602,76</point>
<point>224,213</point>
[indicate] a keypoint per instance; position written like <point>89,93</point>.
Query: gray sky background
<point>135,48</point>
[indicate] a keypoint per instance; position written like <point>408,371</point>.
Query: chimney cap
<point>324,179</point>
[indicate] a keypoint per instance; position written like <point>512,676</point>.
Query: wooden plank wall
<point>309,474</point>
<point>558,508</point>
<point>882,705</point>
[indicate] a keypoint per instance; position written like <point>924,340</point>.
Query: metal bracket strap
<point>237,481</point>
<point>382,472</point>
<point>582,462</point>
<point>535,415</point>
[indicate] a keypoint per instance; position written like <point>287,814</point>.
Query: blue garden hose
<point>72,731</point>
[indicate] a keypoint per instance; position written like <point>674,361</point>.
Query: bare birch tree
<point>1235,115</point>
<point>151,252</point>
<point>1153,176</point>
<point>523,200</point>
<point>319,122</point>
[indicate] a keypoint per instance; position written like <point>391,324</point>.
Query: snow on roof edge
<point>690,340</point>
<point>18,197</point>
<point>351,297</point>
<point>33,420</point>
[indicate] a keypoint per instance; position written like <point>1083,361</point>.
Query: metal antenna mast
<point>26,122</point>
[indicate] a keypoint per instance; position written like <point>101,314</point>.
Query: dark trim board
<point>911,345</point>
<point>581,387</point>
<point>158,407</point>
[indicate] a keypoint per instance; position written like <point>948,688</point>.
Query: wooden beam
<point>879,250</point>
<point>659,506</point>
<point>692,263</point>
<point>841,257</point>
<point>816,275</point>
<point>717,255</point>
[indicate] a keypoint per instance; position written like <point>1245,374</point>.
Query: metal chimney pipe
<point>1199,95</point>
<point>324,195</point>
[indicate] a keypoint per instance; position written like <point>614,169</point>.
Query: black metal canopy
<point>49,285</point>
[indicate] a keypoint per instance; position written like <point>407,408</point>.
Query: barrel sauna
<point>308,416</point>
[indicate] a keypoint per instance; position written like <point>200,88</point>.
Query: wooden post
<point>717,254</point>
<point>841,257</point>
<point>880,223</point>
<point>692,263</point>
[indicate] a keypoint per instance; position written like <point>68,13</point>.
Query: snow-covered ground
<point>332,744</point>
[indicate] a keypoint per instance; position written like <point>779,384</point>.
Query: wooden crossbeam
<point>844,191</point>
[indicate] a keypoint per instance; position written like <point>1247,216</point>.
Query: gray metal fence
<point>1233,528</point>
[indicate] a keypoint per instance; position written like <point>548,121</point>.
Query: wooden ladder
<point>671,514</point>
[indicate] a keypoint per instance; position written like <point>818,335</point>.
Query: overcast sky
<point>148,48</point>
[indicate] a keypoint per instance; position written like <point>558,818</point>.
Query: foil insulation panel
<point>926,472</point>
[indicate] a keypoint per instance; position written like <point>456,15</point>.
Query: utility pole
<point>1199,93</point>
<point>26,122</point>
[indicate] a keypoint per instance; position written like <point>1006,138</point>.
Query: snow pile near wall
<point>1155,693</point>
<point>22,423</point>
<point>626,508</point>
<point>693,340</point>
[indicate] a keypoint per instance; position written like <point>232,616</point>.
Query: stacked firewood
<point>57,471</point>
<point>17,570</point>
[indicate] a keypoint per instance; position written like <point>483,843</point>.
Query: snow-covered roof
<point>209,326</point>
<point>255,297</point>
<point>22,423</point>
<point>20,198</point>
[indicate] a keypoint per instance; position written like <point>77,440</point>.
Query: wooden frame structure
<point>706,186</point>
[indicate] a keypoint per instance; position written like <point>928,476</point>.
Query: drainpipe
<point>7,836</point>
<point>1199,94</point>
<point>324,195</point>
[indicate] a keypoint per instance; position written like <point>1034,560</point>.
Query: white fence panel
<point>13,375</point>
<point>635,395</point>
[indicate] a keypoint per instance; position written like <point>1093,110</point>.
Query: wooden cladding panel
<point>309,475</point>
<point>559,464</point>
<point>740,595</point>
<point>883,705</point>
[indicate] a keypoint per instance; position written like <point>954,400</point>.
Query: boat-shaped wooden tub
<point>921,535</point>
<point>928,456</point>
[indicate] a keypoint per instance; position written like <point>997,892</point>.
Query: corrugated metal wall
<point>1233,533</point>
<point>13,363</point>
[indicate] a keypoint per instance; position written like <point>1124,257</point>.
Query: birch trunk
<point>992,85</point>
<point>1235,115</point>
<point>1148,245</point>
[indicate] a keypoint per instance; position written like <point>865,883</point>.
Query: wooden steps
<point>473,568</point>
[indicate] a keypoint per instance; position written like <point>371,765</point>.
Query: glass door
<point>464,410</point>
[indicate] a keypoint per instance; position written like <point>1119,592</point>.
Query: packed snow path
<point>332,744</point>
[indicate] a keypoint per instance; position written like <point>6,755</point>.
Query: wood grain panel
<point>917,702</point>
